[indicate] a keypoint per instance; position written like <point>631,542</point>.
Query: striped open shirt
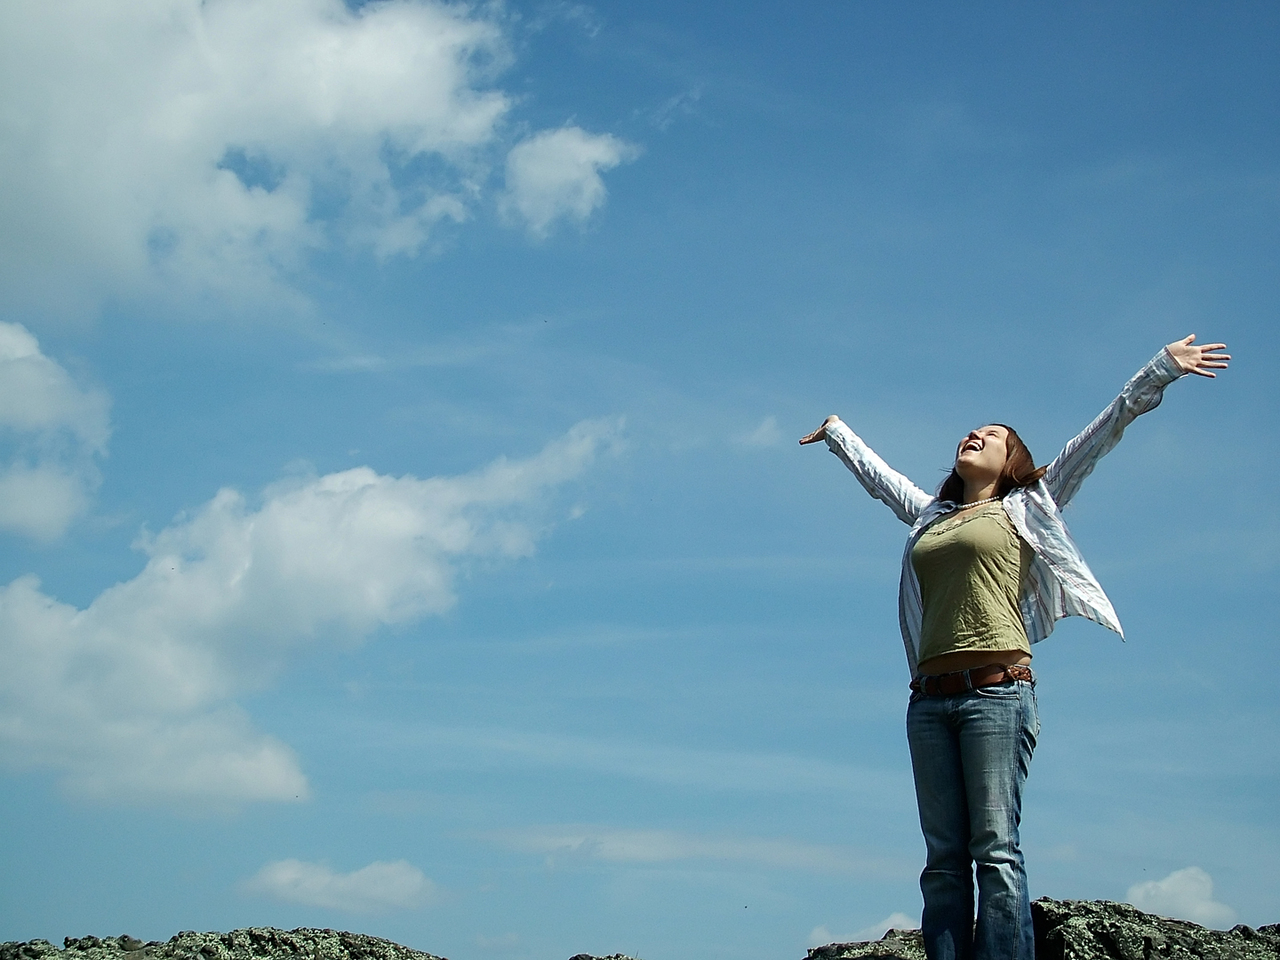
<point>1060,583</point>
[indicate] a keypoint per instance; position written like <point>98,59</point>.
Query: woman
<point>989,568</point>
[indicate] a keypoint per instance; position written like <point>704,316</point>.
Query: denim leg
<point>947,880</point>
<point>970,754</point>
<point>997,738</point>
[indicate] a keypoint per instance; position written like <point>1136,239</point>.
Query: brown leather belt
<point>949,684</point>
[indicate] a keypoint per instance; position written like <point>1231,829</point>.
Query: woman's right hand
<point>821,432</point>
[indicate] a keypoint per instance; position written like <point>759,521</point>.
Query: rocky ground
<point>1065,930</point>
<point>255,943</point>
<point>1095,930</point>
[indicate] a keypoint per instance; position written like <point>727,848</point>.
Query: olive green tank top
<point>971,567</point>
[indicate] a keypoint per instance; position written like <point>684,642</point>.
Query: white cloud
<point>53,430</point>
<point>377,888</point>
<point>820,936</point>
<point>133,697</point>
<point>1184,894</point>
<point>555,174</point>
<point>665,846</point>
<point>180,146</point>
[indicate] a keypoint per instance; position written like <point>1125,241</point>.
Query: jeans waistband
<point>962,681</point>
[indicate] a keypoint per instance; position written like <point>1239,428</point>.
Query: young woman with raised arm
<point>989,568</point>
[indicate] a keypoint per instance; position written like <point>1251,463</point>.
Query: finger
<point>1188,340</point>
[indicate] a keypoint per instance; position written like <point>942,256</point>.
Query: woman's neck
<point>973,492</point>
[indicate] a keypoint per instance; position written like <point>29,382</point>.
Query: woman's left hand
<point>821,432</point>
<point>1201,359</point>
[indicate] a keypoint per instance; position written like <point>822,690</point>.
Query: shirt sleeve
<point>884,483</point>
<point>1141,394</point>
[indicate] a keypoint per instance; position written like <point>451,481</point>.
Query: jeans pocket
<point>998,691</point>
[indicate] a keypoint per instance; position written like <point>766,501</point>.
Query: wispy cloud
<point>682,104</point>
<point>1186,894</point>
<point>667,846</point>
<point>377,888</point>
<point>765,434</point>
<point>133,696</point>
<point>461,747</point>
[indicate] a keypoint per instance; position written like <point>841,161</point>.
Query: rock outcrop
<point>1094,930</point>
<point>1089,929</point>
<point>255,943</point>
<point>894,945</point>
<point>1065,930</point>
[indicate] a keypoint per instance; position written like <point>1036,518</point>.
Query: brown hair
<point>1020,470</point>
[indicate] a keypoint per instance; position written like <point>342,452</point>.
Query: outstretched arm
<point>1141,394</point>
<point>884,483</point>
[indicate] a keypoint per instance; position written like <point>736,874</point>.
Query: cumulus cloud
<point>211,145</point>
<point>1184,894</point>
<point>377,888</point>
<point>555,174</point>
<point>51,431</point>
<point>133,697</point>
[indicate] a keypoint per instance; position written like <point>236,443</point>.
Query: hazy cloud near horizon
<point>1186,894</point>
<point>377,888</point>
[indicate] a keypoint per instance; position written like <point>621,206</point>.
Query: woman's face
<point>981,455</point>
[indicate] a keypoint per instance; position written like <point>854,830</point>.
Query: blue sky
<point>402,523</point>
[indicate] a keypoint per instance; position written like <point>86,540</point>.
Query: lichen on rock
<point>253,943</point>
<point>1101,930</point>
<point>894,945</point>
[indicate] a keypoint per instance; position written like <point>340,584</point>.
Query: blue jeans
<point>970,754</point>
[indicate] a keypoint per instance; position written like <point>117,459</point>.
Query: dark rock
<point>612,956</point>
<point>1095,930</point>
<point>1100,930</point>
<point>255,943</point>
<point>31,950</point>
